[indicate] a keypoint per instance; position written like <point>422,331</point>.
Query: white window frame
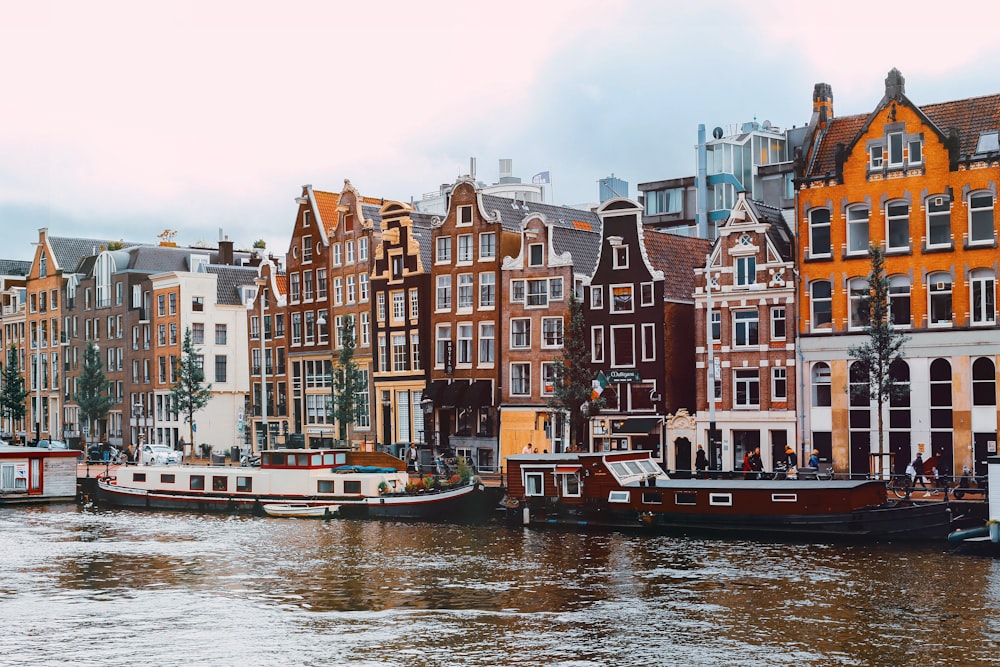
<point>613,303</point>
<point>814,300</point>
<point>742,378</point>
<point>745,271</point>
<point>463,346</point>
<point>858,231</point>
<point>547,384</point>
<point>487,344</point>
<point>778,315</point>
<point>895,218</point>
<point>614,347</point>
<point>442,293</point>
<point>465,250</point>
<point>982,297</point>
<point>534,484</point>
<point>779,376</point>
<point>937,208</point>
<point>598,347</point>
<point>517,291</point>
<point>488,241</point>
<point>546,322</point>
<point>858,291</point>
<point>597,297</point>
<point>975,210</point>
<point>646,294</point>
<point>939,286</point>
<point>814,226</point>
<point>463,217</point>
<point>520,327</point>
<point>442,250</point>
<point>487,290</point>
<point>648,336</point>
<point>465,293</point>
<point>744,322</point>
<point>520,384</point>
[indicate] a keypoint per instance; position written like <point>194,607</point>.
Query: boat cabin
<point>37,474</point>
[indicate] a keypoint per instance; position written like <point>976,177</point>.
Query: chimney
<point>226,252</point>
<point>895,85</point>
<point>823,103</point>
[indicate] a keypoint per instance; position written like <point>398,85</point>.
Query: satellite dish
<point>717,133</point>
<point>767,125</point>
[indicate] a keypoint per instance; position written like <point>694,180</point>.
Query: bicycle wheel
<point>899,485</point>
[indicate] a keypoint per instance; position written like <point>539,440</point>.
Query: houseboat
<point>298,482</point>
<point>984,537</point>
<point>37,474</point>
<point>628,489</point>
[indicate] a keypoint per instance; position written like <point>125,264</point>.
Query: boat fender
<point>527,515</point>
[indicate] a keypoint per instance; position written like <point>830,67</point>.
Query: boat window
<point>328,459</point>
<point>138,477</point>
<point>686,498</point>
<point>648,466</point>
<point>720,499</point>
<point>618,469</point>
<point>339,458</point>
<point>197,482</point>
<point>168,479</point>
<point>633,467</point>
<point>275,459</point>
<point>618,497</point>
<point>303,461</point>
<point>220,483</point>
<point>570,485</point>
<point>352,486</point>
<point>317,459</point>
<point>244,484</point>
<point>325,486</point>
<point>784,497</point>
<point>534,484</point>
<point>649,498</point>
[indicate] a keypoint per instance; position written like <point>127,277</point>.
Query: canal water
<point>118,587</point>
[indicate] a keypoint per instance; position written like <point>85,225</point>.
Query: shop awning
<point>453,395</point>
<point>566,470</point>
<point>635,425</point>
<point>434,391</point>
<point>479,394</point>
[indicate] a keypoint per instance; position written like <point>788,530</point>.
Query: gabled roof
<point>513,211</point>
<point>69,251</point>
<point>228,279</point>
<point>422,223</point>
<point>14,267</point>
<point>677,257</point>
<point>583,245</point>
<point>778,232</point>
<point>326,205</point>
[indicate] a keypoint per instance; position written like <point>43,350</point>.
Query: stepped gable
<point>677,257</point>
<point>228,281</point>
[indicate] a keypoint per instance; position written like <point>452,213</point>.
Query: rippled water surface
<point>121,587</point>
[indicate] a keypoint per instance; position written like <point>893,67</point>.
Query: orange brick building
<point>921,181</point>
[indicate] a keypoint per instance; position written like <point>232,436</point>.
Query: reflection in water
<point>119,587</point>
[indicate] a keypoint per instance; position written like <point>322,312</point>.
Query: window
<point>398,306</point>
<point>899,300</point>
<point>897,221</point>
<point>465,291</point>
<point>363,249</point>
<point>552,332</point>
<point>293,287</point>
<point>487,290</point>
<point>380,307</point>
<point>938,222</point>
<point>415,352</point>
<point>822,305</point>
<point>349,252</point>
<point>172,303</point>
<point>414,304</point>
<point>160,305</point>
<point>533,484</point>
<point>399,353</point>
<point>857,230</point>
<point>548,379</point>
<point>442,339</point>
<point>443,254</point>
<point>443,293</point>
<point>716,326</point>
<point>221,363</point>
<point>487,334</point>
<point>745,324</point>
<point>621,299</point>
<point>939,299</point>
<point>307,285</point>
<point>779,383</point>
<point>648,342</point>
<point>984,382</point>
<point>520,332</point>
<point>520,379</point>
<point>296,328</point>
<point>876,157</point>
<point>198,333</point>
<point>338,291</point>
<point>981,218</point>
<point>746,271</point>
<point>307,251</point>
<point>859,296</point>
<point>464,216</point>
<point>895,142</point>
<point>747,388</point>
<point>363,287</point>
<point>538,293</point>
<point>198,304</point>
<point>914,148</point>
<point>465,247</point>
<point>464,343</point>
<point>777,324</point>
<point>555,289</point>
<point>596,297</point>
<point>487,245</point>
<point>366,330</point>
<point>619,256</point>
<point>821,389</point>
<point>321,285</point>
<point>535,254</point>
<point>819,232</point>
<point>337,255</point>
<point>597,344</point>
<point>983,297</point>
<point>517,291</point>
<point>646,294</point>
<point>623,346</point>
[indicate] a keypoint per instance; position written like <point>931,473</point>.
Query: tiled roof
<point>677,257</point>
<point>422,232</point>
<point>69,251</point>
<point>372,212</point>
<point>281,280</point>
<point>14,267</point>
<point>583,245</point>
<point>326,202</point>
<point>229,278</point>
<point>512,212</point>
<point>970,117</point>
<point>778,232</point>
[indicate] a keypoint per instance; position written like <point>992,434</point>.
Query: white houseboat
<point>37,474</point>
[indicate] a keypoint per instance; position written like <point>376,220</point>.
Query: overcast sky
<point>119,120</point>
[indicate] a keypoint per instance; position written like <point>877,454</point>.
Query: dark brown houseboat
<point>628,489</point>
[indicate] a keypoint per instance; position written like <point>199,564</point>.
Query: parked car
<point>159,455</point>
<point>45,443</point>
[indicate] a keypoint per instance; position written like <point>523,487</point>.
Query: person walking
<point>756,464</point>
<point>701,462</point>
<point>918,472</point>
<point>412,460</point>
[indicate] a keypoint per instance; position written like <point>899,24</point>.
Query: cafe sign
<point>621,376</point>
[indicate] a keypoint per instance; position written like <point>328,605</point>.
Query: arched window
<point>821,304</point>
<point>981,217</point>
<point>859,295</point>
<point>984,382</point>
<point>939,299</point>
<point>857,229</point>
<point>899,300</point>
<point>821,396</point>
<point>983,296</point>
<point>819,232</point>
<point>859,397</point>
<point>938,221</point>
<point>897,226</point>
<point>899,399</point>
<point>940,394</point>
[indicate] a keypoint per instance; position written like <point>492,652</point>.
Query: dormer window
<point>989,142</point>
<point>619,256</point>
<point>199,263</point>
<point>876,157</point>
<point>896,150</point>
